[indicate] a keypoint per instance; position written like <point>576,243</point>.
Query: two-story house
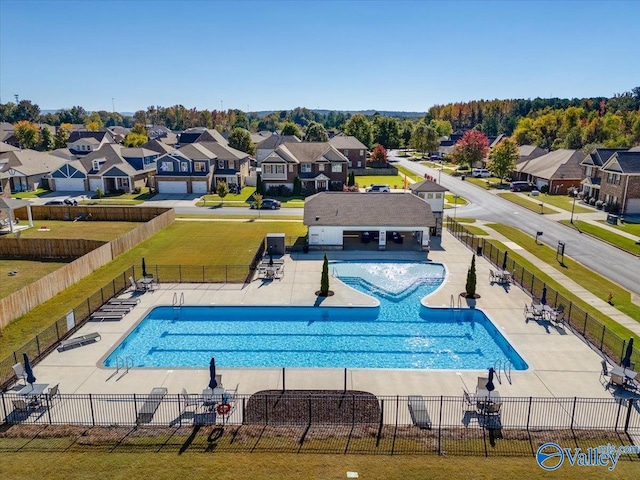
<point>352,148</point>
<point>231,165</point>
<point>83,142</point>
<point>27,169</point>
<point>620,183</point>
<point>592,176</point>
<point>318,165</point>
<point>199,135</point>
<point>270,143</point>
<point>178,173</point>
<point>111,168</point>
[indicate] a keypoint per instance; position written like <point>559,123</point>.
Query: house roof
<point>5,147</point>
<point>63,153</point>
<point>200,134</point>
<point>273,141</point>
<point>197,151</point>
<point>346,209</point>
<point>559,164</point>
<point>137,152</point>
<point>623,162</point>
<point>529,152</point>
<point>224,152</point>
<point>76,135</point>
<point>310,152</point>
<point>119,130</point>
<point>600,156</point>
<point>634,149</point>
<point>12,204</point>
<point>348,142</point>
<point>111,153</point>
<point>158,146</point>
<point>29,162</point>
<point>427,186</point>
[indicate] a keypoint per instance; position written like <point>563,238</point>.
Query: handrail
<point>126,362</point>
<point>175,298</point>
<point>507,363</point>
<point>181,299</point>
<point>496,368</point>
<point>118,360</point>
<point>452,302</point>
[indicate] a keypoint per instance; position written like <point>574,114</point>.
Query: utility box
<point>275,244</point>
<point>612,219</point>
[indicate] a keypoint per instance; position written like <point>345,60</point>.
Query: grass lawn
<point>238,199</point>
<point>450,198</point>
<point>394,181</point>
<point>250,216</point>
<point>120,198</point>
<point>561,201</point>
<point>608,236</point>
<point>632,228</point>
<point>184,242</point>
<point>91,230</point>
<point>530,203</point>
<point>594,283</point>
<point>100,464</point>
<point>475,230</point>
<point>414,176</point>
<point>465,220</point>
<point>28,272</point>
<point>32,194</point>
<point>446,167</point>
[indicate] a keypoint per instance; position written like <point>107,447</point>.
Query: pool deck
<point>560,364</point>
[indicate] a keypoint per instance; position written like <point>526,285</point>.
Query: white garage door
<point>199,187</point>
<point>95,184</point>
<point>633,206</point>
<point>69,184</point>
<point>172,187</point>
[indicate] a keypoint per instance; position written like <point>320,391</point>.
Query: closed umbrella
<point>144,268</point>
<point>626,361</point>
<point>31,379</point>
<point>490,386</point>
<point>504,260</point>
<point>543,300</point>
<point>212,372</point>
<point>271,255</point>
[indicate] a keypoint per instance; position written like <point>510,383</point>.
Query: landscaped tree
<point>222,189</point>
<point>62,135</point>
<point>379,155</point>
<point>240,139</point>
<point>324,280</point>
<point>351,180</point>
<point>316,133</point>
<point>46,140</point>
<point>407,131</point>
<point>358,126</point>
<point>290,128</point>
<point>257,201</point>
<point>471,279</point>
<point>297,186</point>
<point>27,134</point>
<point>93,122</point>
<point>259,185</point>
<point>424,138</point>
<point>502,159</point>
<point>471,148</point>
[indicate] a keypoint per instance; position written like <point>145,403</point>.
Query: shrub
<point>599,204</point>
<point>471,278</point>
<point>297,186</point>
<point>592,201</point>
<point>352,188</point>
<point>279,191</point>
<point>544,189</point>
<point>137,190</point>
<point>324,280</point>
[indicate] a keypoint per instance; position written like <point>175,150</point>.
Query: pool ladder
<point>177,303</point>
<point>503,366</point>
<point>124,363</point>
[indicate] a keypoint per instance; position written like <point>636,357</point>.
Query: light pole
<point>455,206</point>
<point>439,173</point>
<point>573,207</point>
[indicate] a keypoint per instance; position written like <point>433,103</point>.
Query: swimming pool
<point>399,334</point>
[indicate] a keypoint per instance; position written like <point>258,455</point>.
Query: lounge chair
<point>604,374</point>
<point>492,276</point>
<point>469,404</point>
<point>150,405</point>
<point>18,369</point>
<point>558,315</point>
<point>79,341</point>
<point>418,410</point>
<point>124,301</point>
<point>106,317</point>
<point>137,287</point>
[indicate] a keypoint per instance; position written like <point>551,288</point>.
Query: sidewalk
<point>576,289</point>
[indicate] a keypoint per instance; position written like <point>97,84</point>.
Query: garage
<point>95,184</point>
<point>632,207</point>
<point>69,185</point>
<point>364,221</point>
<point>172,187</point>
<point>199,187</point>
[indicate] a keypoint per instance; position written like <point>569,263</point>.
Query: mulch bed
<point>302,407</point>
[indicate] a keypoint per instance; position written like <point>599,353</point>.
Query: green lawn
<point>28,272</point>
<point>394,181</point>
<point>184,242</point>
<point>242,198</point>
<point>475,230</point>
<point>450,198</point>
<point>250,216</point>
<point>91,230</point>
<point>32,194</point>
<point>608,236</point>
<point>163,463</point>
<point>414,176</point>
<point>560,201</point>
<point>588,279</point>
<point>465,220</point>
<point>446,167</point>
<point>632,228</point>
<point>530,203</point>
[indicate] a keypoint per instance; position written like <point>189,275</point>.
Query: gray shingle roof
<point>223,152</point>
<point>30,162</point>
<point>310,152</point>
<point>273,141</point>
<point>563,163</point>
<point>348,142</point>
<point>367,209</point>
<point>624,162</point>
<point>427,186</point>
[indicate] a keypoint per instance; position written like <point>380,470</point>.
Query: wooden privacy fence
<point>106,213</point>
<point>38,248</point>
<point>30,296</point>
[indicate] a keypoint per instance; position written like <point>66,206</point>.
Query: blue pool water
<point>399,334</point>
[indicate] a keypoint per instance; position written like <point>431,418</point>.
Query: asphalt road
<point>621,267</point>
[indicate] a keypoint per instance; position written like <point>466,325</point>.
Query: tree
<point>324,280</point>
<point>407,131</point>
<point>259,185</point>
<point>471,148</point>
<point>386,132</point>
<point>27,134</point>
<point>503,158</point>
<point>240,139</point>
<point>290,128</point>
<point>46,140</point>
<point>351,180</point>
<point>316,133</point>
<point>443,127</point>
<point>257,201</point>
<point>379,155</point>
<point>424,138</point>
<point>471,279</point>
<point>61,136</point>
<point>222,189</point>
<point>137,136</point>
<point>297,186</point>
<point>99,192</point>
<point>93,122</point>
<point>25,110</point>
<point>358,126</point>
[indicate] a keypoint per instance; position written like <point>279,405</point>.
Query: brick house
<point>620,183</point>
<point>352,148</point>
<point>591,171</point>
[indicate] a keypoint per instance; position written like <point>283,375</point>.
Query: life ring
<point>223,408</point>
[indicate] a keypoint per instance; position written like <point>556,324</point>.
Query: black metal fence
<point>369,424</point>
<point>580,321</point>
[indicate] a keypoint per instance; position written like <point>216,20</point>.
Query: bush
<point>471,279</point>
<point>352,188</point>
<point>137,190</point>
<point>614,208</point>
<point>592,201</point>
<point>279,191</point>
<point>599,204</point>
<point>336,186</point>
<point>544,189</point>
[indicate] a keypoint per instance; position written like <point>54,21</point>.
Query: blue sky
<point>263,55</point>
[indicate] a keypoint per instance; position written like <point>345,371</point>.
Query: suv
<point>54,202</point>
<point>522,187</point>
<point>267,204</point>
<point>480,173</point>
<point>378,189</point>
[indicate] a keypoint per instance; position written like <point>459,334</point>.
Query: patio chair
<point>18,369</point>
<point>136,286</point>
<point>617,381</point>
<point>528,311</point>
<point>190,400</point>
<point>53,392</point>
<point>482,383</point>
<point>150,405</point>
<point>492,276</point>
<point>468,404</point>
<point>604,374</point>
<point>21,405</point>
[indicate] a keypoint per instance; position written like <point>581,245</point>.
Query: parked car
<point>480,173</point>
<point>378,189</point>
<point>436,157</point>
<point>54,202</point>
<point>267,204</point>
<point>522,186</point>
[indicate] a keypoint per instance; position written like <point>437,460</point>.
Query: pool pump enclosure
<point>275,243</point>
